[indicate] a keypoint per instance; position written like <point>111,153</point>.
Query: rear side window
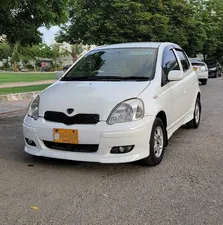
<point>184,60</point>
<point>169,63</point>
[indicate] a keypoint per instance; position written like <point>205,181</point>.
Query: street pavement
<point>13,108</point>
<point>185,189</point>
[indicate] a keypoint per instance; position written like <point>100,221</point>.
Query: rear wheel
<point>204,81</point>
<point>195,122</point>
<point>158,141</point>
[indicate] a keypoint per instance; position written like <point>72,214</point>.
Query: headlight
<point>33,110</point>
<point>129,110</point>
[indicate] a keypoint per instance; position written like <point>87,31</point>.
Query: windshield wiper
<point>135,78</point>
<point>115,78</point>
<point>91,78</point>
<point>74,78</point>
<point>104,78</point>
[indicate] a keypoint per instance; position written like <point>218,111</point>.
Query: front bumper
<point>212,73</point>
<point>135,133</point>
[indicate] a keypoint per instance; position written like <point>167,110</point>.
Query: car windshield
<point>193,60</point>
<point>197,62</point>
<point>115,64</point>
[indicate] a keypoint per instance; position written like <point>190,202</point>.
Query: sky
<point>48,35</point>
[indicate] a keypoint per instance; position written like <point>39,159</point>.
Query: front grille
<point>60,117</point>
<point>71,147</point>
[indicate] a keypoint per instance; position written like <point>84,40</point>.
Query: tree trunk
<point>74,58</point>
<point>74,53</point>
<point>15,66</point>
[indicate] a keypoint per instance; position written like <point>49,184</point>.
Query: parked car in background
<point>214,68</point>
<point>201,69</point>
<point>117,104</point>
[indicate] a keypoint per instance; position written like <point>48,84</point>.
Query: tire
<point>204,81</point>
<point>156,154</point>
<point>195,122</point>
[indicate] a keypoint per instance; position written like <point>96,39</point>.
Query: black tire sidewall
<point>196,124</point>
<point>204,82</point>
<point>153,159</point>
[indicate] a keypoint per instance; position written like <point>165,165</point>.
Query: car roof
<point>136,45</point>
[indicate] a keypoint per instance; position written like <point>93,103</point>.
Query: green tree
<point>114,21</point>
<point>20,20</point>
<point>5,53</point>
<point>210,15</point>
<point>196,25</point>
<point>5,50</point>
<point>55,54</point>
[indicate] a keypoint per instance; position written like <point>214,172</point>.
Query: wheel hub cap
<point>197,113</point>
<point>158,142</point>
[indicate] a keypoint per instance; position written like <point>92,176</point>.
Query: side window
<point>169,63</point>
<point>184,60</point>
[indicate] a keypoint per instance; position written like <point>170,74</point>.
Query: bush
<point>38,63</point>
<point>60,68</point>
<point>8,69</point>
<point>5,65</point>
<point>29,66</point>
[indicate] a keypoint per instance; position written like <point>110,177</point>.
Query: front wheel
<point>157,144</point>
<point>195,122</point>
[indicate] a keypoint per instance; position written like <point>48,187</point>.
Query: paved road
<point>12,108</point>
<point>186,189</point>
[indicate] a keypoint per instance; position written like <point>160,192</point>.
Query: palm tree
<point>55,53</point>
<point>75,51</point>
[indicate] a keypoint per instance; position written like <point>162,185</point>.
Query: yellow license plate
<point>195,68</point>
<point>67,136</point>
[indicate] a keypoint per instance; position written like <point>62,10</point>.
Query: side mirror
<point>59,74</point>
<point>175,75</point>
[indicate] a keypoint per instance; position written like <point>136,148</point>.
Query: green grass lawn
<point>25,77</point>
<point>14,90</point>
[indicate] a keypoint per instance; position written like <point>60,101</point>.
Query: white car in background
<point>116,104</point>
<point>200,67</point>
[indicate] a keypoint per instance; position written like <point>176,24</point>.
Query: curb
<point>18,96</point>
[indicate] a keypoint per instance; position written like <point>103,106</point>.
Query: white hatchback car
<point>201,69</point>
<point>116,104</point>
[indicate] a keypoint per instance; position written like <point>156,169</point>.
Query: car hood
<point>88,97</point>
